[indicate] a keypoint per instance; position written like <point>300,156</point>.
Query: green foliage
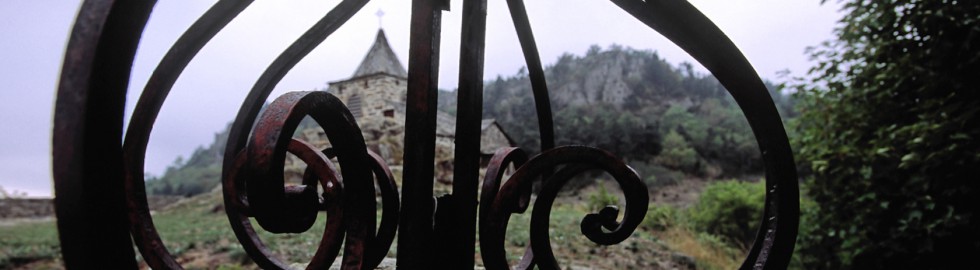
<point>187,181</point>
<point>198,174</point>
<point>609,128</point>
<point>677,153</point>
<point>602,198</point>
<point>804,254</point>
<point>659,97</point>
<point>730,210</point>
<point>27,242</point>
<point>654,175</point>
<point>889,128</point>
<point>660,217</point>
<point>678,118</point>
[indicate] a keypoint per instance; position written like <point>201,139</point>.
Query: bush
<point>889,131</point>
<point>655,175</point>
<point>602,198</point>
<point>677,153</point>
<point>731,210</point>
<point>660,217</point>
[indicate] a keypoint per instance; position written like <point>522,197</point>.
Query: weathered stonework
<point>372,95</point>
<point>376,96</point>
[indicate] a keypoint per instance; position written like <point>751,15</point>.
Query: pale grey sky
<point>771,33</point>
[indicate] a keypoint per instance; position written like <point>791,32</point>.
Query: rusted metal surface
<point>466,168</point>
<point>513,197</point>
<point>415,226</point>
<point>319,168</point>
<point>517,200</point>
<point>90,198</point>
<point>292,209</point>
<point>539,87</point>
<point>99,177</point>
<point>144,115</point>
<point>683,24</point>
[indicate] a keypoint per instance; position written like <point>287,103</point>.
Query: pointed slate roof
<point>380,59</point>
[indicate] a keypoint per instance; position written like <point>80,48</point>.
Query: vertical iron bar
<point>87,137</point>
<point>469,110</point>
<point>415,226</point>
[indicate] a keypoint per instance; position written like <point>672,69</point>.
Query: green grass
<point>196,231</point>
<point>28,241</point>
<point>571,248</point>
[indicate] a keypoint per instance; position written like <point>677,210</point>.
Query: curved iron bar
<point>293,209</point>
<point>147,109</point>
<point>87,135</point>
<point>539,86</point>
<point>390,206</point>
<point>319,168</point>
<point>635,191</point>
<point>283,64</point>
<point>279,208</point>
<point>511,199</point>
<point>381,242</point>
<point>687,27</point>
<point>359,206</point>
<point>493,253</point>
<point>89,169</point>
<point>238,210</point>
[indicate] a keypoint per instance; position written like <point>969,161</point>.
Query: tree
<point>13,194</point>
<point>677,153</point>
<point>889,126</point>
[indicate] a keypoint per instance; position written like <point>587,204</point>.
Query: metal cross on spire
<point>380,15</point>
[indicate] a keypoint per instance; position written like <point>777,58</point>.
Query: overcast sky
<point>771,33</point>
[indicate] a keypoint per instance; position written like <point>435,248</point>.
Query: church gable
<point>380,60</point>
<point>378,80</point>
<point>376,96</point>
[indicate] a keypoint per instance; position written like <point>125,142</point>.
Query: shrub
<point>601,198</point>
<point>655,175</point>
<point>730,210</point>
<point>889,129</point>
<point>660,217</point>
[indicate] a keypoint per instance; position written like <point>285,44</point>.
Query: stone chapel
<point>375,94</point>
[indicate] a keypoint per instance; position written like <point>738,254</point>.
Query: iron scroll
<point>101,202</point>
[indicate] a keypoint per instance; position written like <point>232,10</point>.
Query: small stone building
<point>378,85</point>
<point>375,94</point>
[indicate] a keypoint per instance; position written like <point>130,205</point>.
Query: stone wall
<point>36,208</point>
<point>374,94</point>
<point>26,208</point>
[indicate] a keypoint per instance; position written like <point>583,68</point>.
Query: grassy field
<point>23,242</point>
<point>196,231</point>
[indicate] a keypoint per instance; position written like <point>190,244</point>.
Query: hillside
<point>195,175</point>
<point>666,120</point>
<point>636,105</point>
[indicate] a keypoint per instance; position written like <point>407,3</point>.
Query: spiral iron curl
<point>514,197</point>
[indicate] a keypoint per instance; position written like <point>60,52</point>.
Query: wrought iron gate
<point>100,195</point>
